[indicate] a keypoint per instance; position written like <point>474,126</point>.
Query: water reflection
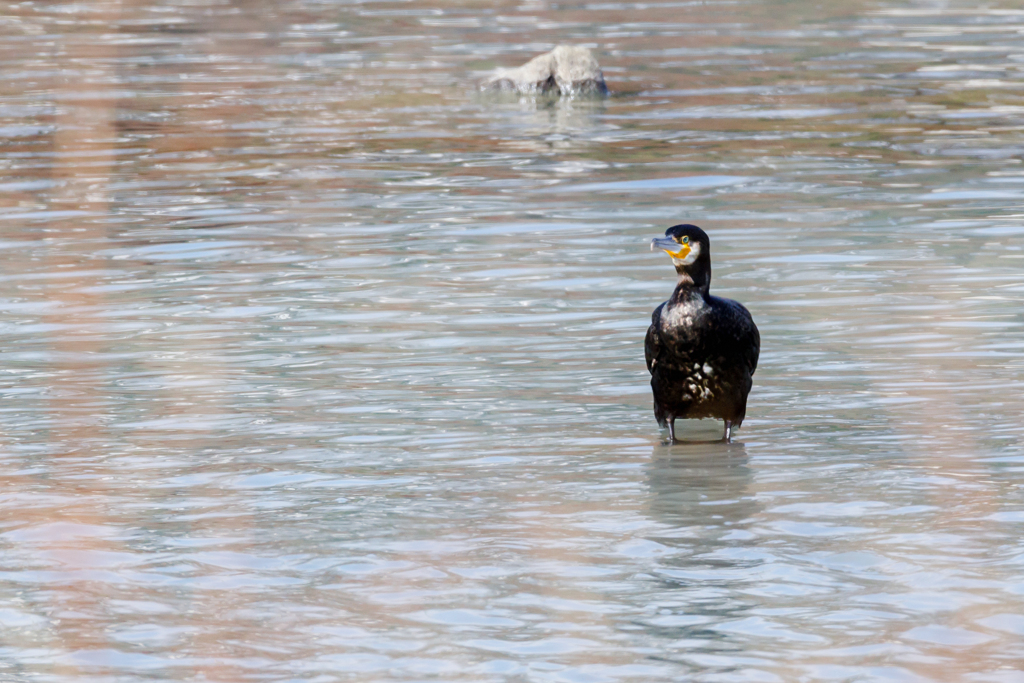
<point>701,495</point>
<point>702,489</point>
<point>548,127</point>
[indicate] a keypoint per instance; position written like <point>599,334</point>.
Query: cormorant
<point>701,350</point>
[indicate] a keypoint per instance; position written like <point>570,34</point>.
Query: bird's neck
<point>694,279</point>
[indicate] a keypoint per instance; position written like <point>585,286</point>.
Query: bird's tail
<point>660,415</point>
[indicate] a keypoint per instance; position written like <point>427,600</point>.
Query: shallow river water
<point>319,366</point>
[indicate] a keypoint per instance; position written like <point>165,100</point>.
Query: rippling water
<point>320,366</point>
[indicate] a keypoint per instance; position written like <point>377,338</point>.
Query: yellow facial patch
<point>684,249</point>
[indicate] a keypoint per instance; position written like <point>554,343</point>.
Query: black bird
<point>701,350</point>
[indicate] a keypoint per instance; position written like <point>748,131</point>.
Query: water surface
<point>319,366</point>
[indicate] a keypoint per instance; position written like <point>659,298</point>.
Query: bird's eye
<point>686,240</point>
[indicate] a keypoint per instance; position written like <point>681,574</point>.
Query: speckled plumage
<point>701,350</point>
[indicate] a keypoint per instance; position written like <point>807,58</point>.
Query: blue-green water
<point>319,366</point>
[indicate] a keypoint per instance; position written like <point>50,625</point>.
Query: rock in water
<point>567,70</point>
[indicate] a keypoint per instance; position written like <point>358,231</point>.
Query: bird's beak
<point>669,245</point>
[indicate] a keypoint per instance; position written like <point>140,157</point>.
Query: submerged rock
<point>567,70</point>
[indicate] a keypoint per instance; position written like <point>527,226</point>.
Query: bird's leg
<point>672,429</point>
<point>727,437</point>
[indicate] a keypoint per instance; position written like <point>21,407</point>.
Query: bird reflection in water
<point>701,491</point>
<point>702,496</point>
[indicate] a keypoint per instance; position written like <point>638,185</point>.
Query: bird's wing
<point>755,349</point>
<point>750,338</point>
<point>652,343</point>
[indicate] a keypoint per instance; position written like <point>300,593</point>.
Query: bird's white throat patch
<point>689,258</point>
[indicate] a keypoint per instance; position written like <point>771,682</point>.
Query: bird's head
<point>690,250</point>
